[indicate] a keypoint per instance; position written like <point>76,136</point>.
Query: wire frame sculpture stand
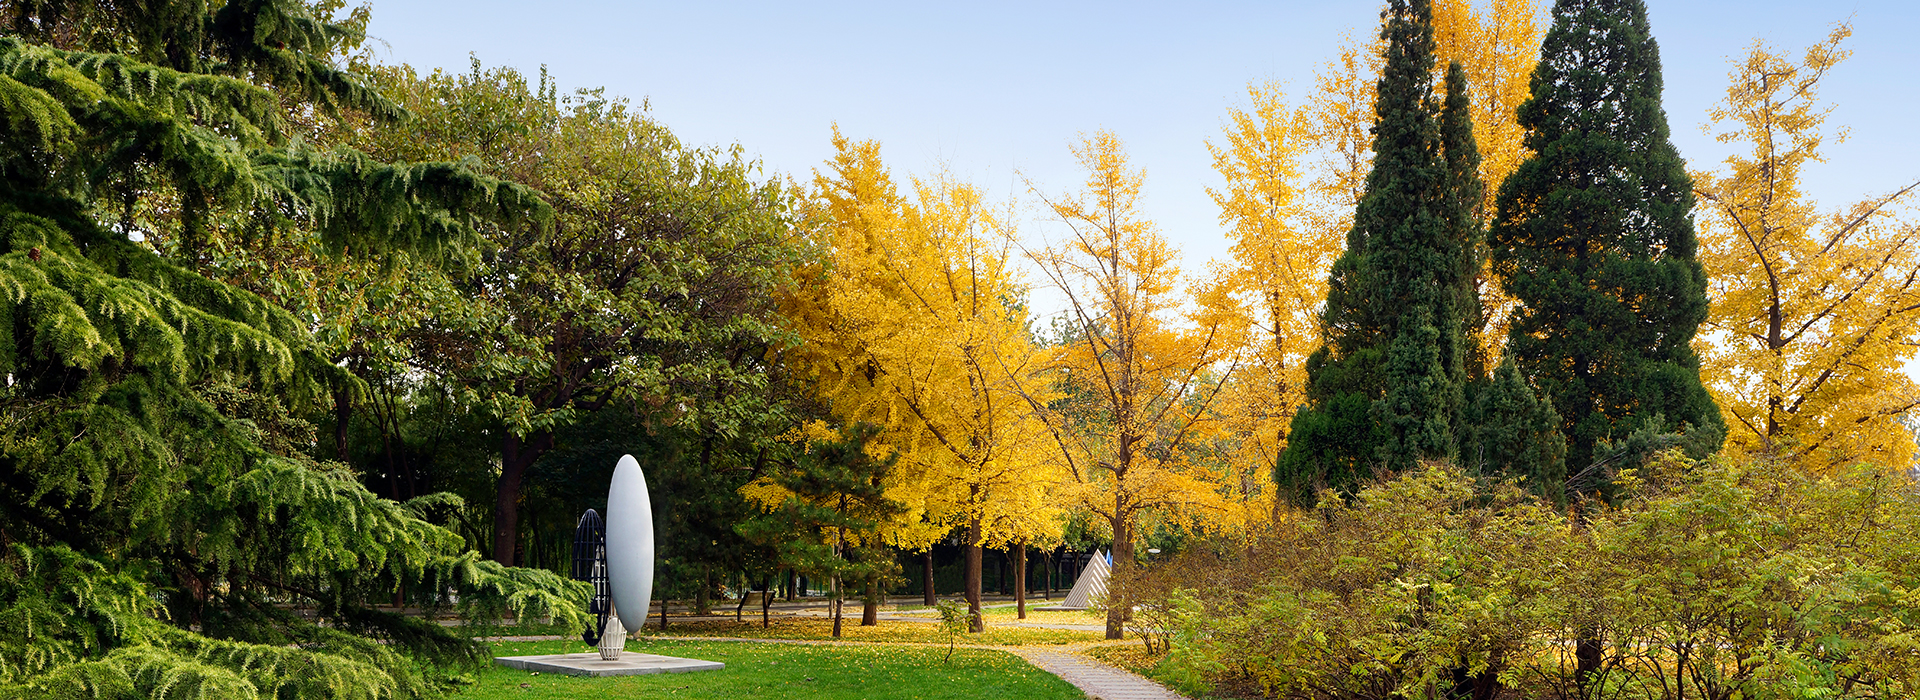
<point>590,565</point>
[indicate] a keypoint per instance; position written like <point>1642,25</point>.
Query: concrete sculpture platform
<point>590,664</point>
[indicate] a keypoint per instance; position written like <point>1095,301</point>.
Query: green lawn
<point>784,671</point>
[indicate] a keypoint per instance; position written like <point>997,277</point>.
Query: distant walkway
<point>1098,680</point>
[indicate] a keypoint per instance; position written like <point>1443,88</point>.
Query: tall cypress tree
<point>1593,237</point>
<point>1384,391</point>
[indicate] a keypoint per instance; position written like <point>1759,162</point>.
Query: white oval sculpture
<point>629,543</point>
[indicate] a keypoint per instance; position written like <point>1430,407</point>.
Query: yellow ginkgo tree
<point>1278,274</point>
<point>1813,314</point>
<point>914,321</point>
<point>1140,364</point>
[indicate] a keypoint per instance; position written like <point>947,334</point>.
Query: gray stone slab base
<point>590,664</point>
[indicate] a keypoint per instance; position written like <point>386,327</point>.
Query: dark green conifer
<point>1594,239</point>
<point>158,526</point>
<point>1385,390</point>
<point>1463,197</point>
<point>1512,431</point>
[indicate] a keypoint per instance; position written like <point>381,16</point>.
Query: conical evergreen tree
<point>1385,390</point>
<point>1594,239</point>
<point>1464,190</point>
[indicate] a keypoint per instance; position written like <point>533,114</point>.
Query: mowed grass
<point>888,631</point>
<point>787,671</point>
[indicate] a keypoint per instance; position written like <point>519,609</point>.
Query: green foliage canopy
<point>155,529</point>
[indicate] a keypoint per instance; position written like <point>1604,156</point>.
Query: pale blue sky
<point>991,87</point>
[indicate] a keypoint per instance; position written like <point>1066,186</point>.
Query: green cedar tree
<point>1594,238</point>
<point>158,526</point>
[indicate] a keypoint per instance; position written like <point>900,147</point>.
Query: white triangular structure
<point>1091,587</point>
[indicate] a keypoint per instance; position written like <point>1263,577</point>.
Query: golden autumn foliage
<point>1497,45</point>
<point>1812,314</point>
<point>1139,364</point>
<point>914,322</point>
<point>1278,275</point>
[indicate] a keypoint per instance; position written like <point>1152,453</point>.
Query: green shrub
<point>1706,579</point>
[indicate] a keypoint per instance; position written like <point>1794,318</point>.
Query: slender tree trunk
<point>1117,599</point>
<point>870,610</point>
<point>1046,562</point>
<point>703,598</point>
<point>663,613</point>
<point>833,583</point>
<point>746,589</point>
<point>516,454</point>
<point>833,590</point>
<point>974,621</point>
<point>342,417</point>
<point>1020,579</point>
<point>927,568</point>
<point>766,603</point>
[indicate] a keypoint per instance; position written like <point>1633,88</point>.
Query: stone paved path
<point>1096,679</point>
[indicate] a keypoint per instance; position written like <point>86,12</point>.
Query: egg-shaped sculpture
<point>629,543</point>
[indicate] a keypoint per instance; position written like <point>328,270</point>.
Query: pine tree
<point>1594,239</point>
<point>1385,390</point>
<point>157,515</point>
<point>827,507</point>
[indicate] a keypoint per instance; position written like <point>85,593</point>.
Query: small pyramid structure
<point>1090,587</point>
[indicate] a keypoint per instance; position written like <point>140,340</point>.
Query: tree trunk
<point>703,598</point>
<point>1117,600</point>
<point>974,622</point>
<point>1046,563</point>
<point>870,609</point>
<point>833,590</point>
<point>928,570</point>
<point>746,588</point>
<point>766,603</point>
<point>833,583</point>
<point>663,613</point>
<point>1588,653</point>
<point>1020,579</point>
<point>516,454</point>
<point>342,416</point>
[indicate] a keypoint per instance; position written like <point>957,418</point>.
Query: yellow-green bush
<point>1704,579</point>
